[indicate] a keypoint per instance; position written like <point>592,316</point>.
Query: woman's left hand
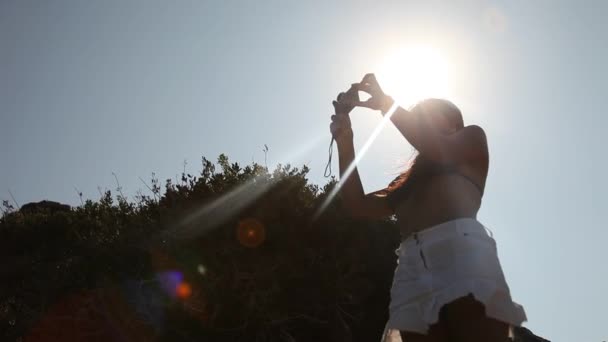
<point>378,100</point>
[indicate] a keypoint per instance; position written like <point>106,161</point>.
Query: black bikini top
<point>421,173</point>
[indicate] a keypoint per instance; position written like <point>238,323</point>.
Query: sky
<point>88,89</point>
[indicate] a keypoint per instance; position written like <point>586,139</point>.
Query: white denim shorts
<point>441,264</point>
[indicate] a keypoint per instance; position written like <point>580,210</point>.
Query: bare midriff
<point>444,198</point>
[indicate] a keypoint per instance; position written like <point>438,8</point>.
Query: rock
<point>521,334</point>
<point>44,206</point>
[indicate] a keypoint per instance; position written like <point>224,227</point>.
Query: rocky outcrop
<point>44,206</point>
<point>521,334</point>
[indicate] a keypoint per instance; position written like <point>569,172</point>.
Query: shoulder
<point>467,144</point>
<point>471,138</point>
<point>475,133</point>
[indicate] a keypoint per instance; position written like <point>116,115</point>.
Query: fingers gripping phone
<point>342,106</point>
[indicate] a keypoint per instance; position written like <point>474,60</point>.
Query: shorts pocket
<point>460,252</point>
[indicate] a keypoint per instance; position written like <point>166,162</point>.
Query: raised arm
<point>428,130</point>
<point>468,143</point>
<point>373,205</point>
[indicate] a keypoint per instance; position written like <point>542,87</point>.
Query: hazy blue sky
<point>90,88</point>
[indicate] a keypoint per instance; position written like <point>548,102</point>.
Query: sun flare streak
<point>360,154</point>
<point>217,212</point>
<point>213,214</point>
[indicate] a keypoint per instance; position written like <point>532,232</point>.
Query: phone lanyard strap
<point>331,152</point>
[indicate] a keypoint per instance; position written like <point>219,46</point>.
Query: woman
<point>448,285</point>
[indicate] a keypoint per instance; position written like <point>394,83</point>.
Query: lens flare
<point>251,232</point>
<point>169,281</point>
<point>183,290</point>
<point>202,270</point>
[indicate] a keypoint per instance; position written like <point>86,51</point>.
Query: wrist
<point>387,104</point>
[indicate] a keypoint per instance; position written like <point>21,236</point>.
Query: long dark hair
<point>421,167</point>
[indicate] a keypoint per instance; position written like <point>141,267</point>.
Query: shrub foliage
<point>231,254</point>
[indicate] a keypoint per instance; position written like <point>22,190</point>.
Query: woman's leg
<point>466,321</point>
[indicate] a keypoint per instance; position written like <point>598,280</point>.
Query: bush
<point>231,254</point>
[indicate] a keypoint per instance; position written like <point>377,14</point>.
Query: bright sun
<point>413,74</point>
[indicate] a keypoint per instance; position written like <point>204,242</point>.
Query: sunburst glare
<point>414,73</point>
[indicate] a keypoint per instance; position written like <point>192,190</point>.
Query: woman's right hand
<point>340,128</point>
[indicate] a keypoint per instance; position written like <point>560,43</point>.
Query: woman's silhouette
<point>448,285</point>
